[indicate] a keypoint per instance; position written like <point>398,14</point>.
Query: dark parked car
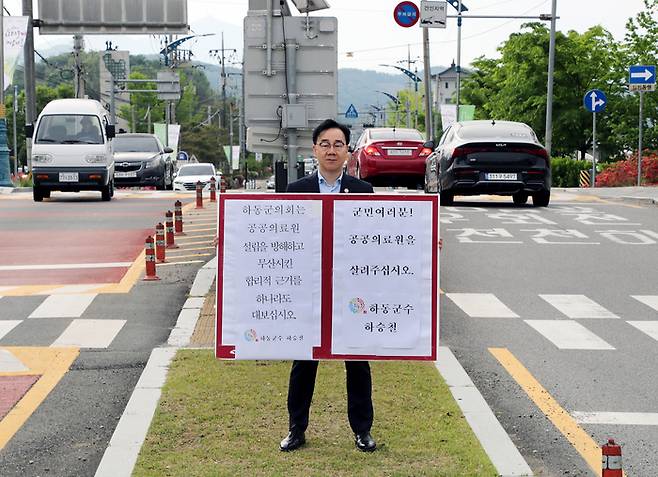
<point>142,160</point>
<point>489,157</point>
<point>389,156</point>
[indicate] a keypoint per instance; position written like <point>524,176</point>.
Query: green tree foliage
<point>514,86</point>
<point>397,114</point>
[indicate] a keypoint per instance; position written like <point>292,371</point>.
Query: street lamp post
<point>4,150</point>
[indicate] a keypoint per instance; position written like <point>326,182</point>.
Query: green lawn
<point>221,418</point>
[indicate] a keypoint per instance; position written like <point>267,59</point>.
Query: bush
<point>22,180</point>
<point>566,171</point>
<point>624,173</point>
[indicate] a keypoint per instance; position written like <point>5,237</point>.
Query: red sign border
<point>323,351</point>
<point>400,5</point>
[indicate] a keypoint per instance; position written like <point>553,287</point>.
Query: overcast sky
<point>367,28</point>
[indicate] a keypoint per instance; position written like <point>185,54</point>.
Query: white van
<point>72,149</point>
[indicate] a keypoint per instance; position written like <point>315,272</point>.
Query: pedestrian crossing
<point>562,328</point>
<point>52,314</point>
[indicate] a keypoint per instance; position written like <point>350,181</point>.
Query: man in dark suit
<point>330,140</point>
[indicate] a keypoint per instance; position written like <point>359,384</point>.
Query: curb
<point>123,449</point>
<point>504,455</point>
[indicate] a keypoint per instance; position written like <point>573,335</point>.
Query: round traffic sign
<point>182,156</point>
<point>595,100</point>
<point>406,14</point>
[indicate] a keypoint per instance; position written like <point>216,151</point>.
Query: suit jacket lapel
<point>315,183</point>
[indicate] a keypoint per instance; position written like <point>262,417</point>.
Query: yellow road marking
<point>576,435</point>
<point>129,279</point>
<point>52,364</point>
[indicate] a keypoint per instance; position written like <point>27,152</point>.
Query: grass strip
<point>225,418</point>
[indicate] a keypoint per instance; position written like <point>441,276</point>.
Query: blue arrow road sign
<point>351,112</point>
<point>595,100</point>
<point>642,74</point>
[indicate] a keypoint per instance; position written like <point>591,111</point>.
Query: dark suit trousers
<point>359,394</point>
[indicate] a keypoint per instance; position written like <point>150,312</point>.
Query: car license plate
<point>68,177</point>
<point>501,176</point>
<point>122,174</point>
<point>400,152</point>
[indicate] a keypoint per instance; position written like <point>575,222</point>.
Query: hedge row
<point>566,171</point>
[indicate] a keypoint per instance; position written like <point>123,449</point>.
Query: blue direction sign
<point>642,78</point>
<point>595,100</point>
<point>351,112</point>
<point>406,14</point>
<point>642,74</point>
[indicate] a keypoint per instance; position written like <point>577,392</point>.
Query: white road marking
<point>63,306</point>
<point>647,327</point>
<point>64,266</point>
<point>481,305</point>
<point>569,335</point>
<point>649,300</point>
<point>7,325</point>
<point>10,363</point>
<point>617,418</point>
<point>578,306</point>
<point>70,289</point>
<point>90,333</point>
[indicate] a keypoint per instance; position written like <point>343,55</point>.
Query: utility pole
<point>221,55</point>
<point>458,67</point>
<point>79,86</point>
<point>30,89</point>
<point>549,92</point>
<point>15,143</point>
<point>429,133</point>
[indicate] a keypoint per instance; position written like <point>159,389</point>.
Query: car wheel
<point>107,192</point>
<point>520,198</point>
<point>37,194</point>
<point>447,198</point>
<point>541,199</point>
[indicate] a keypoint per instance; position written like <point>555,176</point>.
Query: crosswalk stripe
<point>617,418</point>
<point>7,325</point>
<point>10,363</point>
<point>578,306</point>
<point>63,306</point>
<point>569,335</point>
<point>649,328</point>
<point>481,305</point>
<point>90,333</point>
<point>649,300</point>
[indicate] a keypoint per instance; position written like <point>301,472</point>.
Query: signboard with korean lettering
<point>327,276</point>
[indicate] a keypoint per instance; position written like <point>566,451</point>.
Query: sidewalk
<point>645,195</point>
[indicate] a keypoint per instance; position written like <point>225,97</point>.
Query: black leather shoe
<point>293,441</point>
<point>364,442</point>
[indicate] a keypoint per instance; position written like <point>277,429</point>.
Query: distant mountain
<point>358,87</point>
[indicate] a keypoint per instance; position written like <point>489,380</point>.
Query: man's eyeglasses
<point>326,145</point>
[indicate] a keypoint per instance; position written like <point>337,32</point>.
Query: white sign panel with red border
<point>327,276</point>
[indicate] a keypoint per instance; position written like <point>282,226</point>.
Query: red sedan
<point>390,157</point>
